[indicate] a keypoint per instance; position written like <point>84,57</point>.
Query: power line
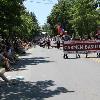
<point>43,1</point>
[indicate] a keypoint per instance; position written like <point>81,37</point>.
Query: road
<point>47,76</point>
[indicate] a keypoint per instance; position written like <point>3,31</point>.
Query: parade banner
<point>81,46</point>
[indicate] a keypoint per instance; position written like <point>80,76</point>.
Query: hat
<point>65,31</point>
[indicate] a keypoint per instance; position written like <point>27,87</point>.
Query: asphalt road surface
<point>43,74</point>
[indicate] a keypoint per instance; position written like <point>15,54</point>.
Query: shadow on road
<point>24,54</point>
<point>30,61</point>
<point>29,90</point>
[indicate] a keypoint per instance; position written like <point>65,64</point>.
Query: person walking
<point>58,44</point>
<point>48,43</point>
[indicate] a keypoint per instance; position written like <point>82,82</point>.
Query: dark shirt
<point>66,38</point>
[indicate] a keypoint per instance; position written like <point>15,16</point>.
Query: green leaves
<point>16,21</point>
<point>60,15</point>
<point>9,16</point>
<point>29,26</point>
<point>78,16</point>
<point>84,17</point>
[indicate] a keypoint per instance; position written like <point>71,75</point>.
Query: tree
<point>29,26</point>
<point>36,28</point>
<point>10,11</point>
<point>84,17</point>
<point>15,21</point>
<point>79,17</point>
<point>60,15</point>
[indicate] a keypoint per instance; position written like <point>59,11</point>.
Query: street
<point>47,76</point>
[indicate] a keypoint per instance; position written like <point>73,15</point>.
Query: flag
<point>60,30</point>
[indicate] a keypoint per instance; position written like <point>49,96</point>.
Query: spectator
<point>5,61</point>
<point>48,43</point>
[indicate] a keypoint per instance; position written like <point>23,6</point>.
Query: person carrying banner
<point>65,37</point>
<point>58,41</point>
<point>98,39</point>
<point>48,43</point>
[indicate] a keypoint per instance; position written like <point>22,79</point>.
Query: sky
<point>41,8</point>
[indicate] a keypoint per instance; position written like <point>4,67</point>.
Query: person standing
<point>98,40</point>
<point>58,42</point>
<point>65,37</point>
<point>48,43</point>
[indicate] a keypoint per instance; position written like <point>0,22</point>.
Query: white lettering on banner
<point>75,47</point>
<point>68,47</point>
<point>95,46</point>
<point>99,46</point>
<point>81,46</point>
<point>72,47</point>
<point>86,47</point>
<point>92,46</point>
<point>78,47</point>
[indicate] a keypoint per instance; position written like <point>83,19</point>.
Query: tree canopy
<point>78,17</point>
<point>16,21</point>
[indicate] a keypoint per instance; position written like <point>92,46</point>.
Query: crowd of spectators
<point>9,51</point>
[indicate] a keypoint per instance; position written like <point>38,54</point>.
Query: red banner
<point>92,45</point>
